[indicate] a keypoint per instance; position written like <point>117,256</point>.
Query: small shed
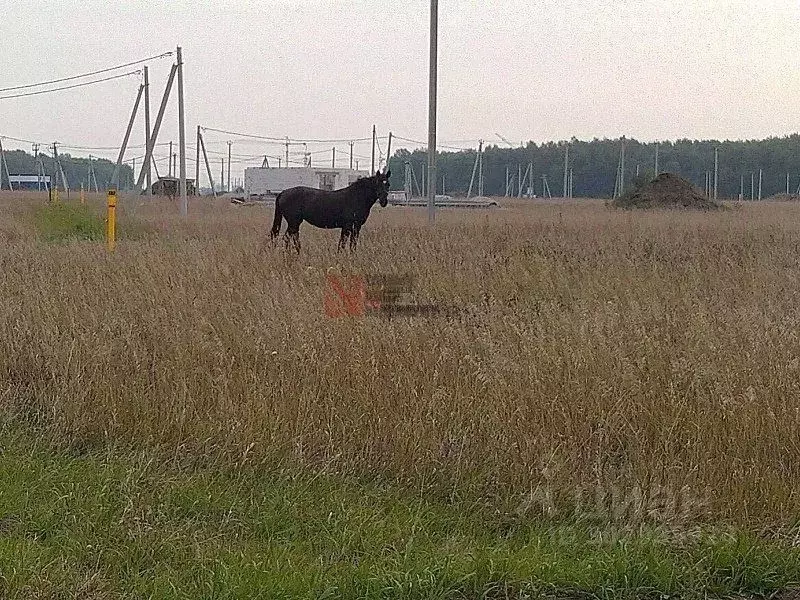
<point>170,186</point>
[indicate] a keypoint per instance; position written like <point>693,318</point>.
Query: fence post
<point>111,221</point>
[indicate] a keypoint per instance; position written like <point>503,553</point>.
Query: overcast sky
<point>537,69</point>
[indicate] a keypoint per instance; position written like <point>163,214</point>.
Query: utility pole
<point>519,180</point>
<point>657,145</point>
<point>787,184</point>
<point>566,171</point>
<point>115,176</point>
<point>222,176</point>
<point>169,160</point>
<point>752,186</point>
<point>760,178</point>
<point>157,126</point>
<point>506,194</point>
<point>182,136</point>
<point>54,186</point>
<point>372,164</point>
<point>474,170</point>
<point>432,111</point>
<point>149,176</point>
<point>741,188</point>
<point>287,151</point>
<point>197,164</point>
<point>229,166</point>
<point>351,156</point>
<point>716,171</point>
<point>389,151</point>
<point>480,167</point>
<point>3,164</point>
<point>208,167</point>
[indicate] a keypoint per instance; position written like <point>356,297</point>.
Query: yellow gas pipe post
<point>111,221</point>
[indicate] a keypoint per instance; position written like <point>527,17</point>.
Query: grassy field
<point>610,407</point>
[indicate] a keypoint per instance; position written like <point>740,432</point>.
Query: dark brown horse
<point>346,209</point>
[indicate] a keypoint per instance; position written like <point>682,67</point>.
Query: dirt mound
<point>667,191</point>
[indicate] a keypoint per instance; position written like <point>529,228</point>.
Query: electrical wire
<point>283,140</point>
<point>136,62</point>
<point>69,87</point>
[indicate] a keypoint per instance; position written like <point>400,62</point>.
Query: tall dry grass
<point>594,348</point>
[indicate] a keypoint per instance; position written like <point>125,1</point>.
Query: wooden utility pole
<point>287,151</point>
<point>182,136</point>
<point>351,156</point>
<point>222,176</point>
<point>566,172</point>
<point>432,83</point>
<point>169,160</point>
<point>333,157</point>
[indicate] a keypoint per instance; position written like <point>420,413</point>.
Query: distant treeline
<point>594,165</point>
<point>76,169</point>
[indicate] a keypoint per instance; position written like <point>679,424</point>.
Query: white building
<point>270,181</point>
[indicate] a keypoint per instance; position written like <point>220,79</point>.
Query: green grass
<point>115,524</point>
<point>65,222</point>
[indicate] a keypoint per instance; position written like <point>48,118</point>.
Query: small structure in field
<point>268,182</point>
<point>171,186</point>
<point>667,191</point>
<point>29,182</point>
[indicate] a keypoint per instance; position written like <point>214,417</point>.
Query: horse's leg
<point>343,238</point>
<point>293,233</point>
<point>354,237</point>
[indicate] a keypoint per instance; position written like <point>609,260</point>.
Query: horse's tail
<point>276,221</point>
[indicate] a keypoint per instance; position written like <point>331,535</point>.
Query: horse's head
<point>382,187</point>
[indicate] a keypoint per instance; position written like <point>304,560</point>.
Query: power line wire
<point>69,87</point>
<point>136,62</point>
<point>283,140</point>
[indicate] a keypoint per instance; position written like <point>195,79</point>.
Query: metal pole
<point>372,164</point>
<point>147,129</point>
<point>157,125</point>
<point>182,136</point>
<point>208,166</point>
<point>115,176</point>
<point>432,111</point>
